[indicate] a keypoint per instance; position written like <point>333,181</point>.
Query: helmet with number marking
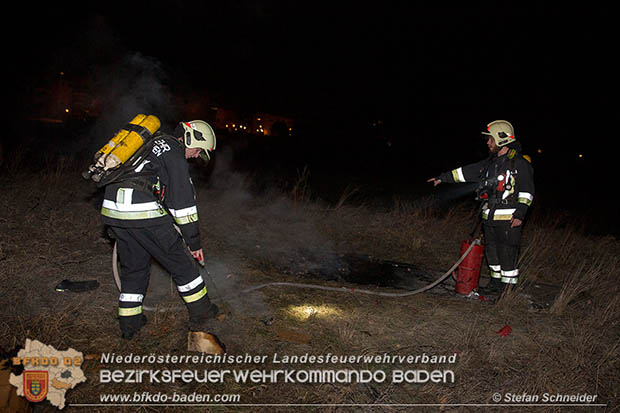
<point>199,134</point>
<point>502,132</point>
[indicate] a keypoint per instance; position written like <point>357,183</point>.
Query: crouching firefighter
<point>140,207</point>
<point>506,190</point>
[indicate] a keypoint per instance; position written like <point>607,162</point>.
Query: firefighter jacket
<point>158,191</point>
<point>505,184</point>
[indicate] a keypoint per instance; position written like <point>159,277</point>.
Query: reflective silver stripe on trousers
<point>131,298</point>
<point>190,285</point>
<point>511,273</point>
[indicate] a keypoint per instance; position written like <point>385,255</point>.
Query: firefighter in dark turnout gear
<point>141,210</point>
<point>506,190</point>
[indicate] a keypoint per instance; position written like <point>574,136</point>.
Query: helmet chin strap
<point>502,151</point>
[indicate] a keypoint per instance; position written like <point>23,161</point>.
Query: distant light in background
<point>539,151</point>
<point>67,110</point>
<point>581,155</point>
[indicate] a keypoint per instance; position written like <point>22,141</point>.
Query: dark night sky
<point>423,67</point>
<point>382,54</point>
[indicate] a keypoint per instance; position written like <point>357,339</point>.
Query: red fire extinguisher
<point>468,273</point>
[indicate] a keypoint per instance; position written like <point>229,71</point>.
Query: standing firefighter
<point>506,190</point>
<point>141,210</point>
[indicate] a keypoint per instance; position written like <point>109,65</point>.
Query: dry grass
<point>51,230</point>
<point>300,193</point>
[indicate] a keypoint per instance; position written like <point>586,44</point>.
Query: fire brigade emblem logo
<point>36,385</point>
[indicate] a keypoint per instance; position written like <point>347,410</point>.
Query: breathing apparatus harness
<point>142,181</point>
<point>491,189</point>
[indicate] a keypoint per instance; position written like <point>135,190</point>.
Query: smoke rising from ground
<point>269,226</point>
<point>136,84</point>
<point>265,229</point>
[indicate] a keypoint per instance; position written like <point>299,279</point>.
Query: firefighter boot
<point>494,287</point>
<point>202,328</point>
<point>129,328</point>
<point>203,321</point>
<point>201,312</point>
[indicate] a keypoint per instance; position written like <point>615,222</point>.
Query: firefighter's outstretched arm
<point>467,173</point>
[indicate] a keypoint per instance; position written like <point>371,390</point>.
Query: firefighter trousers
<point>136,247</point>
<point>502,245</point>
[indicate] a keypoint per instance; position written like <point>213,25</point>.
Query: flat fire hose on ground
<point>355,290</point>
<point>322,287</point>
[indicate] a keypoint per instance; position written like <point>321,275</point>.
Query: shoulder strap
<point>125,171</point>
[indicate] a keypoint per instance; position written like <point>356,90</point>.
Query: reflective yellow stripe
<point>502,217</point>
<point>183,212</point>
<point>457,175</point>
<point>525,201</point>
<point>186,219</point>
<point>509,280</point>
<point>129,311</point>
<point>196,296</point>
<point>129,215</point>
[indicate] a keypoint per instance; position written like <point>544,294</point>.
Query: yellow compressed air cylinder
<point>122,146</point>
<point>127,141</point>
<point>116,140</point>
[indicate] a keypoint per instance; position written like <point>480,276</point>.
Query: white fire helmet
<point>199,134</point>
<point>502,132</point>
